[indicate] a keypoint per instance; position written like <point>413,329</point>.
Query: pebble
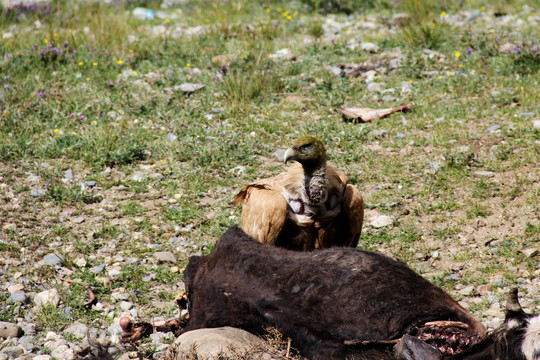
<point>89,183</point>
<point>68,175</point>
<point>49,297</point>
<point>493,129</point>
<point>188,87</point>
<point>126,305</point>
<point>42,357</point>
<point>369,47</point>
<point>77,329</point>
<point>453,277</point>
<point>52,259</point>
<point>484,173</point>
<point>530,252</point>
<point>164,256</point>
<point>77,219</point>
<point>97,269</point>
<point>38,192</point>
<point>536,124</point>
<point>500,283</point>
<point>171,137</point>
<point>13,351</point>
<point>381,221</point>
<point>15,287</point>
<point>18,297</point>
<point>28,342</point>
<point>279,155</point>
<point>374,87</point>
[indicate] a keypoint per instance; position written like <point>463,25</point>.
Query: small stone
<point>484,289</point>
<point>508,48</point>
<point>400,136</point>
<point>493,129</point>
<point>77,219</point>
<point>49,297</point>
<point>530,252</point>
<point>38,192</point>
<point>79,330</point>
<point>9,330</point>
<point>42,357</point>
<point>171,137</point>
<point>369,47</point>
<point>89,183</point>
<point>484,173</point>
<point>279,155</point>
<point>189,88</point>
<point>500,283</point>
<point>536,124</point>
<point>525,115</point>
<point>283,54</point>
<point>374,87</point>
<point>114,272</point>
<point>80,262</point>
<point>453,277</point>
<point>148,278</point>
<point>126,305</point>
<point>53,260</point>
<point>18,297</point>
<point>63,352</point>
<point>97,269</point>
<point>468,290</point>
<point>15,287</point>
<point>13,351</point>
<point>381,221</point>
<point>68,175</point>
<point>164,256</point>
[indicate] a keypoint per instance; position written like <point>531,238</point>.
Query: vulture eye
<point>306,148</point>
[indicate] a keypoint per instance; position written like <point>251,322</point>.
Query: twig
<point>93,300</point>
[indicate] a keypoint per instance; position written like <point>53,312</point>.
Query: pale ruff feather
<point>531,341</point>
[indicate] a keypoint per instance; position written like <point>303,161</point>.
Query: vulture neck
<point>315,182</point>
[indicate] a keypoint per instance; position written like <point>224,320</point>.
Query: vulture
<point>311,206</point>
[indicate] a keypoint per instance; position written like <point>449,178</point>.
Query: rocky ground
<point>453,195</point>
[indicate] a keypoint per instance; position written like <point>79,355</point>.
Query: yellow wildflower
<point>56,130</point>
<point>119,62</point>
<point>443,14</point>
<point>457,54</point>
<point>94,63</point>
<point>188,64</point>
<point>134,73</point>
<point>46,41</point>
<point>81,63</point>
<point>167,20</point>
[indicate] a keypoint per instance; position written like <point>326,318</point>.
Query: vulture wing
<point>352,212</point>
<point>265,210</point>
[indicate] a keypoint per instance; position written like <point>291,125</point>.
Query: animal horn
<point>512,303</point>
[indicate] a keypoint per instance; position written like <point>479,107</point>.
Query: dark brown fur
<point>319,299</point>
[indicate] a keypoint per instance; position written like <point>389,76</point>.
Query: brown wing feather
<point>352,210</point>
<point>264,212</point>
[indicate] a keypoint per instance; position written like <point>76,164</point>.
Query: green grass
<point>103,99</point>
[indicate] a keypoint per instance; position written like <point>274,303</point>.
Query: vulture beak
<point>290,154</point>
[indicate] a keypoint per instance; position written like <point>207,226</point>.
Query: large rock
<point>9,330</point>
<point>217,343</point>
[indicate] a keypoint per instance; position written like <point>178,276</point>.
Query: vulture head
<point>308,151</point>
